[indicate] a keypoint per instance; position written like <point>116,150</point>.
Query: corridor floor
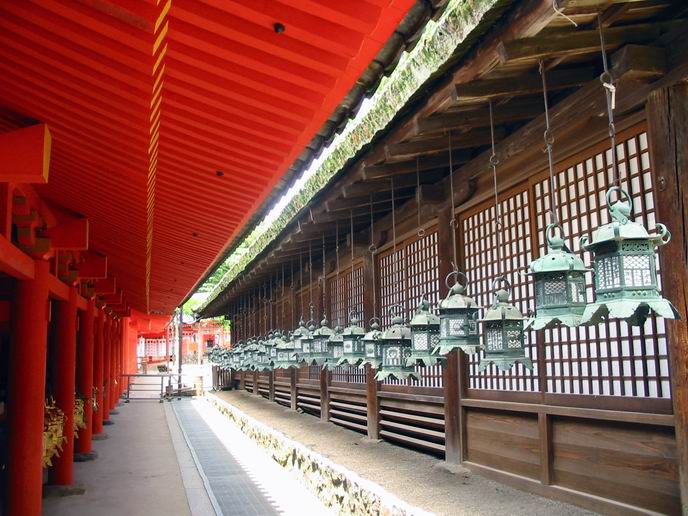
<point>180,458</point>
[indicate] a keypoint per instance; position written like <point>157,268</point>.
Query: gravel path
<point>420,480</point>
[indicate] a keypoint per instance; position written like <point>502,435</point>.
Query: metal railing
<point>161,387</point>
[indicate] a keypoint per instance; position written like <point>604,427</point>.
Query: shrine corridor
<point>179,458</point>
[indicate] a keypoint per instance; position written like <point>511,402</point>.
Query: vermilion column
<point>114,347</point>
<point>98,356</point>
<point>27,392</point>
<point>62,472</point>
<point>84,375</point>
<point>105,410</point>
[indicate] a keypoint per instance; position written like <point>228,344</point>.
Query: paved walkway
<point>177,459</point>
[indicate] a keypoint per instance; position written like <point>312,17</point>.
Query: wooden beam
<point>424,163</point>
<point>522,84</point>
<point>459,140</point>
<point>25,155</point>
<point>350,203</point>
<point>106,286</point>
<point>640,62</point>
<point>667,117</point>
<point>576,42</point>
<point>510,112</point>
<point>14,262</point>
<point>93,266</point>
<point>70,235</point>
<point>382,185</point>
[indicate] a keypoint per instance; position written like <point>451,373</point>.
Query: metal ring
<point>622,193</point>
<point>392,309</point>
<point>664,233</point>
<point>494,160</point>
<point>606,78</point>
<point>501,279</point>
<point>549,231</point>
<point>454,223</point>
<point>457,274</point>
<point>373,319</point>
<point>372,248</point>
<point>421,232</point>
<point>549,137</point>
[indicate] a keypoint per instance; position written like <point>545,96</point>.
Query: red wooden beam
<point>14,262</point>
<point>70,235</point>
<point>25,155</point>
<point>106,286</point>
<point>94,266</point>
<point>114,299</point>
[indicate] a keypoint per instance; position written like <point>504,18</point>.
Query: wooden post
<point>98,355</point>
<point>255,383</point>
<point>372,403</point>
<point>271,386</point>
<point>26,399</point>
<point>85,344</point>
<point>242,383</point>
<point>452,429</point>
<point>293,373</point>
<point>667,118</point>
<point>325,380</point>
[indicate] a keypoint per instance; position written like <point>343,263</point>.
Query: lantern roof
<point>457,299</point>
<point>324,329</point>
<point>398,330</point>
<point>353,329</point>
<point>622,227</point>
<point>301,331</point>
<point>423,316</point>
<point>502,310</point>
<point>374,333</point>
<point>559,257</point>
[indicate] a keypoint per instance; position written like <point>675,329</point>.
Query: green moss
<point>437,43</point>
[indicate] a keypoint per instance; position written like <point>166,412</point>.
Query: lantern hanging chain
<point>421,231</point>
<point>282,302</point>
<point>301,281</point>
<point>549,142</point>
<point>336,281</point>
<point>291,300</point>
<point>452,220</point>
<point>396,262</point>
<point>494,161</point>
<point>610,94</point>
<point>372,250</point>
<point>310,280</point>
<point>323,274</point>
<point>350,303</point>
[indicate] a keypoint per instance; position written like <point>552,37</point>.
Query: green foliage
<point>437,43</point>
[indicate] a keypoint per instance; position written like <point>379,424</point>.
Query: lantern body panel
<point>353,347</point>
<point>396,348</point>
<point>458,321</point>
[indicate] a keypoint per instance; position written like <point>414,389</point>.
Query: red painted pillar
<point>106,370</point>
<point>26,396</point>
<point>114,352</point>
<point>84,374</point>
<point>98,356</point>
<point>62,472</point>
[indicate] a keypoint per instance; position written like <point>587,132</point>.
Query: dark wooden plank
<point>413,406</point>
<point>325,378</point>
<point>433,422</point>
<point>348,424</point>
<point>450,383</point>
<point>292,387</point>
<point>545,434</point>
<point>412,441</point>
<point>667,118</point>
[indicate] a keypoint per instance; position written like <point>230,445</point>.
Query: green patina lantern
<point>284,349</point>
<point>353,351</point>
<point>261,356</point>
<point>237,356</point>
<point>625,267</point>
<point>425,335</point>
<point>336,347</point>
<point>321,348</point>
<point>371,344</point>
<point>503,333</point>
<point>250,355</point>
<point>458,318</point>
<point>272,341</point>
<point>305,342</point>
<point>559,284</point>
<point>396,346</point>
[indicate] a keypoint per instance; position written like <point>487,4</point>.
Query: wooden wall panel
<point>507,441</point>
<point>635,464</point>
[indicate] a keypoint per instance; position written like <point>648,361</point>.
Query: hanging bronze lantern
<point>286,357</point>
<point>306,342</point>
<point>396,345</point>
<point>321,348</point>
<point>354,347</point>
<point>625,267</point>
<point>503,333</point>
<point>458,319</point>
<point>425,335</point>
<point>559,284</point>
<point>336,348</point>
<point>371,345</point>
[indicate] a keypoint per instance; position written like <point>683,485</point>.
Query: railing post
<point>293,373</point>
<point>325,380</point>
<point>372,403</point>
<point>255,383</point>
<point>271,386</point>
<point>452,427</point>
<point>242,383</point>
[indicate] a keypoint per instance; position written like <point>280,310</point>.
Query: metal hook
<point>561,13</point>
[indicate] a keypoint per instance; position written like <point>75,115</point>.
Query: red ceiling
<point>147,100</point>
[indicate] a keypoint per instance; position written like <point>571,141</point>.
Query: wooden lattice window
<point>479,232</point>
<point>346,295</point>
<point>404,278</point>
<point>611,358</point>
<point>408,274</point>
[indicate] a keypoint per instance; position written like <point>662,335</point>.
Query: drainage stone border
<point>336,486</point>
